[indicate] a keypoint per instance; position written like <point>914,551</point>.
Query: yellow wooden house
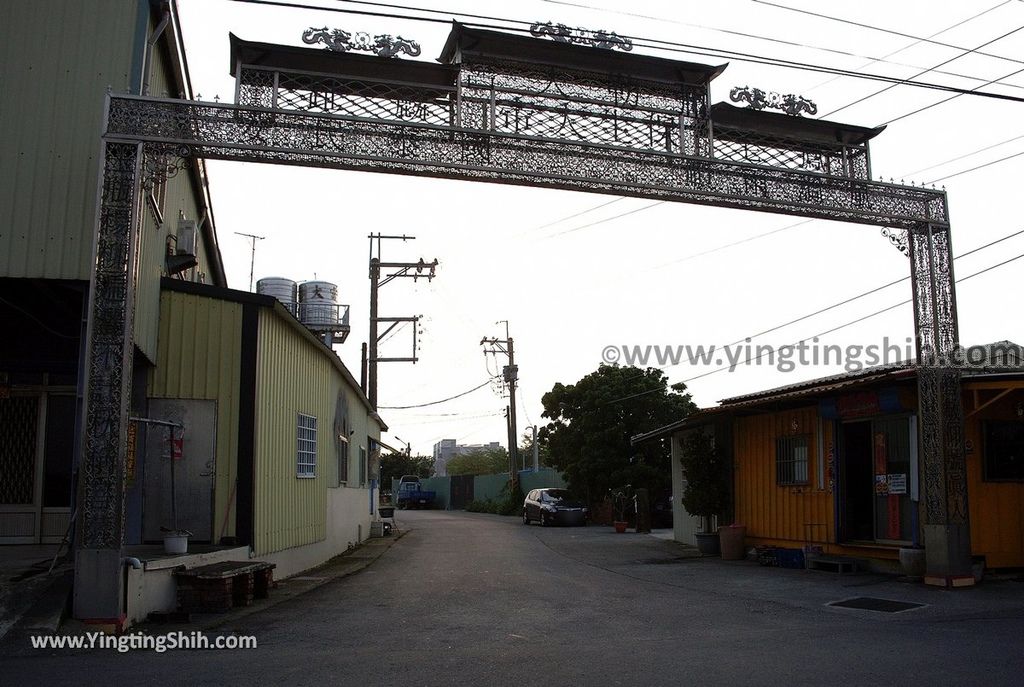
<point>832,465</point>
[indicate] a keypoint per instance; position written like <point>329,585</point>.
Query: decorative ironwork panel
<point>256,88</point>
<point>747,146</point>
<point>511,98</point>
<point>236,133</point>
<point>363,98</point>
<point>19,418</point>
<point>941,410</point>
<point>108,361</point>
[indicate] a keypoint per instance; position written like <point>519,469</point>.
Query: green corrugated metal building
<point>58,58</point>
<point>278,453</point>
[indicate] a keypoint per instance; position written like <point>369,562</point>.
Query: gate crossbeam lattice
<point>498,117</point>
<point>231,132</point>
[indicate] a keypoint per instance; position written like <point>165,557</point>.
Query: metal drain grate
<point>868,603</point>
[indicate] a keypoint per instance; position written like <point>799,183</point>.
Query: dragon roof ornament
<point>757,99</point>
<point>339,40</point>
<point>560,33</point>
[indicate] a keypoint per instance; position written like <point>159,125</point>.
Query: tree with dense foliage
<point>394,465</point>
<point>484,461</point>
<point>707,477</point>
<point>592,423</point>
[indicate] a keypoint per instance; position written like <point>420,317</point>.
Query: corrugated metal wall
<point>57,60</point>
<point>996,508</point>
<point>152,252</point>
<point>179,197</point>
<point>774,513</point>
<point>199,358</point>
<point>293,377</point>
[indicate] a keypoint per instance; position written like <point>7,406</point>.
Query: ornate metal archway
<point>513,110</point>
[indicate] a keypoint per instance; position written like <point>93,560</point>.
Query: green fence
<point>545,477</point>
<point>488,487</point>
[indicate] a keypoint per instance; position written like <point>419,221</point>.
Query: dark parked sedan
<point>553,507</point>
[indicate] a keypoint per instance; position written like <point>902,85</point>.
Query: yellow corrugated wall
<point>773,513</point>
<point>996,508</point>
<point>199,357</point>
<point>293,377</point>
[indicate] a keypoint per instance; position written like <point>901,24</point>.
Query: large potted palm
<point>706,492</point>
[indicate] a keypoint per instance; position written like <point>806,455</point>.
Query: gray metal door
<point>194,471</point>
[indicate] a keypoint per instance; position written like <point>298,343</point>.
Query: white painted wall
<point>684,525</point>
<point>348,524</point>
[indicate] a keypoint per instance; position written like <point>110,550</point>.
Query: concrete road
<point>482,600</point>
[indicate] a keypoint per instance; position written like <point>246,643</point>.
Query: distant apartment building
<point>446,449</point>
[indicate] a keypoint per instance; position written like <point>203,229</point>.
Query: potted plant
<point>707,488</point>
<point>621,498</point>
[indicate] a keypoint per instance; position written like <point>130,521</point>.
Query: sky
<point>573,273</point>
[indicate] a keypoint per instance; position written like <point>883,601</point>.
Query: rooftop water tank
<point>318,304</point>
<point>284,290</point>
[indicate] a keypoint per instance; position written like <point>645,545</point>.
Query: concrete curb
<point>339,567</point>
<point>345,565</point>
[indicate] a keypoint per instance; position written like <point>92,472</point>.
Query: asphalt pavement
<point>479,599</point>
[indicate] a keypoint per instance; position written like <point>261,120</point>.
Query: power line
<point>434,403</point>
<point>868,292</point>
<point>781,41</point>
<point>918,41</point>
<point>607,219</point>
<point>828,331</point>
<point>975,169</point>
<point>961,157</point>
<point>883,30</point>
<point>730,245</point>
<point>922,73</point>
<point>669,46</point>
<point>583,212</point>
<point>946,100</point>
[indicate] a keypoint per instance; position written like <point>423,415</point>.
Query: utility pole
<point>536,451</point>
<point>510,374</point>
<point>412,270</point>
<point>252,259</point>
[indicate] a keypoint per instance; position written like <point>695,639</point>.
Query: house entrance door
<point>36,446</point>
<point>875,476</point>
<point>855,482</point>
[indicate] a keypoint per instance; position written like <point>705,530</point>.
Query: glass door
<point>891,459</point>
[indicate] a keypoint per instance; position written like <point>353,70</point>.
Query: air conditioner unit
<point>186,243</point>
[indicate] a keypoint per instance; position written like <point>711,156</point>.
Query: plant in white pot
<point>707,487</point>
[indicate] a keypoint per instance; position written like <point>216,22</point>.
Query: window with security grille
<point>1004,450</point>
<point>306,446</point>
<point>791,460</point>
